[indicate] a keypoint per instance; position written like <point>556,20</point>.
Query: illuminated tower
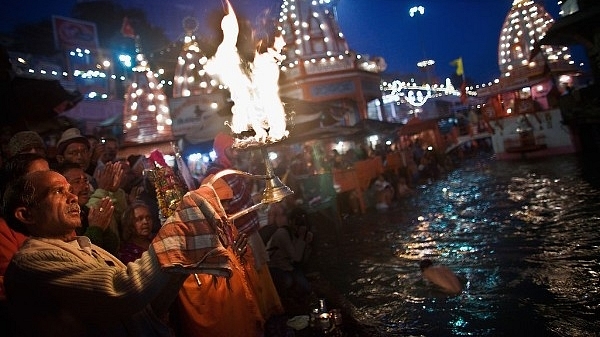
<point>190,77</point>
<point>145,113</point>
<point>319,66</point>
<point>526,23</point>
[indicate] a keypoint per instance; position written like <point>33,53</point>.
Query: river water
<point>524,236</point>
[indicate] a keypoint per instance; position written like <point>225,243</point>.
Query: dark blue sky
<point>447,30</point>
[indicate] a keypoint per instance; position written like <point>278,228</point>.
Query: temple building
<point>322,82</point>
<point>522,108</point>
<point>320,66</point>
<point>146,117</point>
<point>525,25</point>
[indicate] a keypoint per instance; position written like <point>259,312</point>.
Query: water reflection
<point>523,236</point>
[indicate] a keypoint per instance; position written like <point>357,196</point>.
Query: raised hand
<point>109,177</point>
<point>100,215</point>
<point>97,152</point>
<point>240,245</point>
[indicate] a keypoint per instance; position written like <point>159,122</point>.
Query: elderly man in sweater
<point>60,284</point>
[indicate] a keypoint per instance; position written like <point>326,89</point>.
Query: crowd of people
<point>421,164</point>
<point>85,250</point>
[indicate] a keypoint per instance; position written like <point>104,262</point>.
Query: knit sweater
<point>76,288</point>
<point>104,238</point>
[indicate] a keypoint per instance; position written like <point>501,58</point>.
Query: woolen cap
<point>70,136</point>
<point>221,142</point>
<point>24,141</point>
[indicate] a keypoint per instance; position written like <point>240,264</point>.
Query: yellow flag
<point>458,63</point>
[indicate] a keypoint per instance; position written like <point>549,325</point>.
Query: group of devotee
<point>85,252</point>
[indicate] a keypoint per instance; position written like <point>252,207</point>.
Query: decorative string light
<point>525,25</point>
<point>317,44</point>
<point>190,77</point>
<point>146,112</point>
<point>314,39</point>
<point>416,95</point>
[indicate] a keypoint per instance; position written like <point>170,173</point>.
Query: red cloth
<point>10,242</point>
<point>130,252</point>
<point>157,157</point>
<point>127,29</point>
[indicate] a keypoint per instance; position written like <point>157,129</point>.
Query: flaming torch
<point>254,89</point>
<point>257,106</point>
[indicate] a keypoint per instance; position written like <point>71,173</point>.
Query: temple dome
<point>312,35</point>
<point>526,23</point>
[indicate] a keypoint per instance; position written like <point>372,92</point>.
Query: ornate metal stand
<point>274,191</point>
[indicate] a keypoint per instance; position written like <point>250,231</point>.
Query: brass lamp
<point>274,191</point>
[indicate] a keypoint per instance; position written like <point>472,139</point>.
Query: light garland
<point>525,25</point>
<point>316,40</point>
<point>190,77</point>
<point>146,112</point>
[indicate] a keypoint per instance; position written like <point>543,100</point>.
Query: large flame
<point>257,105</point>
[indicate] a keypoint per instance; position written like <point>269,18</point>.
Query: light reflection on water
<point>522,235</point>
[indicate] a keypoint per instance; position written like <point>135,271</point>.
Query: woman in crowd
<point>136,233</point>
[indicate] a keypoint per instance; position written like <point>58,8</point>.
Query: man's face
<point>111,149</point>
<point>56,212</point>
<point>80,184</point>
<point>77,153</point>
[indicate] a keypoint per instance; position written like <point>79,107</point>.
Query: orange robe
<point>213,305</point>
<point>268,299</point>
<point>218,306</point>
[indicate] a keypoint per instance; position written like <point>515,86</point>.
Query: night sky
<point>447,30</point>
